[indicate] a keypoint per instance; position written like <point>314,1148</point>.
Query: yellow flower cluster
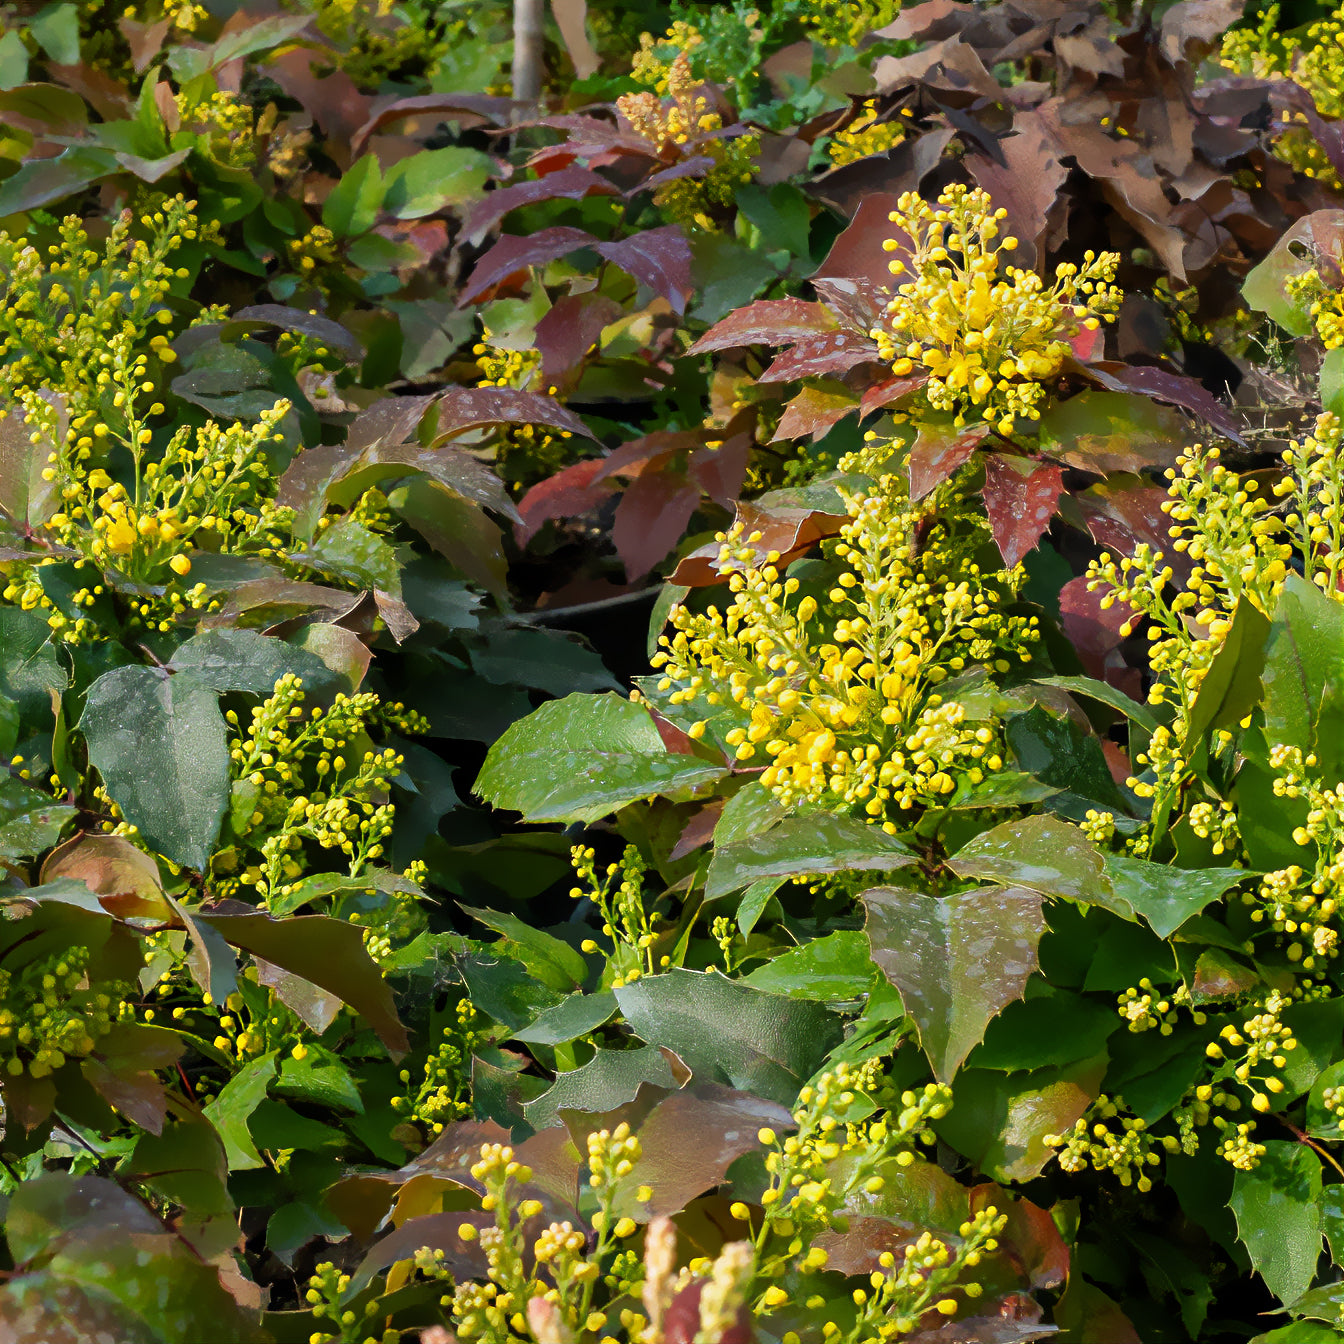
<point>845,23</point>
<point>684,115</point>
<point>649,65</point>
<point>1303,904</point>
<point>1145,1008</point>
<point>1325,306</point>
<point>619,897</point>
<point>445,1093</point>
<point>226,124</point>
<point>850,1125</point>
<point>293,782</point>
<point>1314,60</point>
<point>1314,487</point>
<point>524,454</point>
<point>836,689</point>
<point>990,336</point>
<point>1263,1043</point>
<point>66,320</point>
<point>1127,1150</point>
<point>49,1012</point>
<point>866,136</point>
<point>922,1279</point>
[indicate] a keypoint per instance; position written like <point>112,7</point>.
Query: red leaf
<point>813,412</point>
<point>571,328</point>
<point>791,532</point>
<point>1120,516</point>
<point>567,494</point>
<point>676,741</point>
<point>1095,634</point>
<point>719,471</point>
<point>651,519</point>
<point>858,253</point>
<point>650,452</point>
<point>857,302</point>
<point>1031,1238</point>
<point>889,390</point>
<point>766,322</point>
<point>833,352</point>
<point>699,830</point>
<point>462,408</point>
<point>468,108</point>
<point>392,420</point>
<point>514,253</point>
<point>938,452</point>
<point>570,183</point>
<point>658,258</point>
<point>1020,501</point>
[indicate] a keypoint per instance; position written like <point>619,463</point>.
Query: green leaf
<point>545,660</point>
<point>56,29</point>
<point>1051,1028</point>
<point>1318,234</point>
<point>422,183</point>
<point>246,660</point>
<point>328,952</point>
<point>505,990</point>
<point>1068,757</point>
<point>553,962</point>
<point>753,903</point>
<point>582,757</point>
<point>1041,853</point>
<point>957,960</point>
<point>1166,897</point>
<point>1231,686</point>
<point>1279,1218</point>
<point>233,1107</point>
<point>319,1079</point>
<point>29,669</point>
<point>1001,1120</point>
<point>1304,662</point>
<point>782,216</point>
<point>574,1016</point>
<point>158,742</point>
<point>610,1079</point>
<point>818,842</point>
<point>350,551</point>
<point>13,60</point>
<point>353,206</point>
<point>1331,380</point>
<point>43,182</point>
<point>1105,432</point>
<point>30,820</point>
<point>1107,695</point>
<point>836,966</point>
<point>729,1032</point>
<point>1322,1121</point>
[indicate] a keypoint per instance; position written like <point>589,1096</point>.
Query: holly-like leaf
<point>651,518</point>
<point>1277,1207</point>
<point>766,322</point>
<point>230,1111</point>
<point>835,966</point>
<point>1166,897</point>
<point>579,758</point>
<point>728,1032</point>
<point>938,452</point>
<point>658,258</point>
<point>1041,853</point>
<point>1230,688</point>
<point>158,742</point>
<point>1020,499</point>
<point>957,960</point>
<point>1316,240</point>
<point>1106,432</point>
<point>804,846</point>
<point>247,660</point>
<point>30,821</point>
<point>608,1080</point>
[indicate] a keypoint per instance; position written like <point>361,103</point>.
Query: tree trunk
<point>527,35</point>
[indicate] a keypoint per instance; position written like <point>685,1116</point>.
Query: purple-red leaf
<point>766,322</point>
<point>889,390</point>
<point>567,494</point>
<point>1020,499</point>
<point>658,258</point>
<point>464,408</point>
<point>1173,388</point>
<point>570,183</point>
<point>830,353</point>
<point>813,412</point>
<point>570,329</point>
<point>514,253</point>
<point>938,452</point>
<point>651,519</point>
